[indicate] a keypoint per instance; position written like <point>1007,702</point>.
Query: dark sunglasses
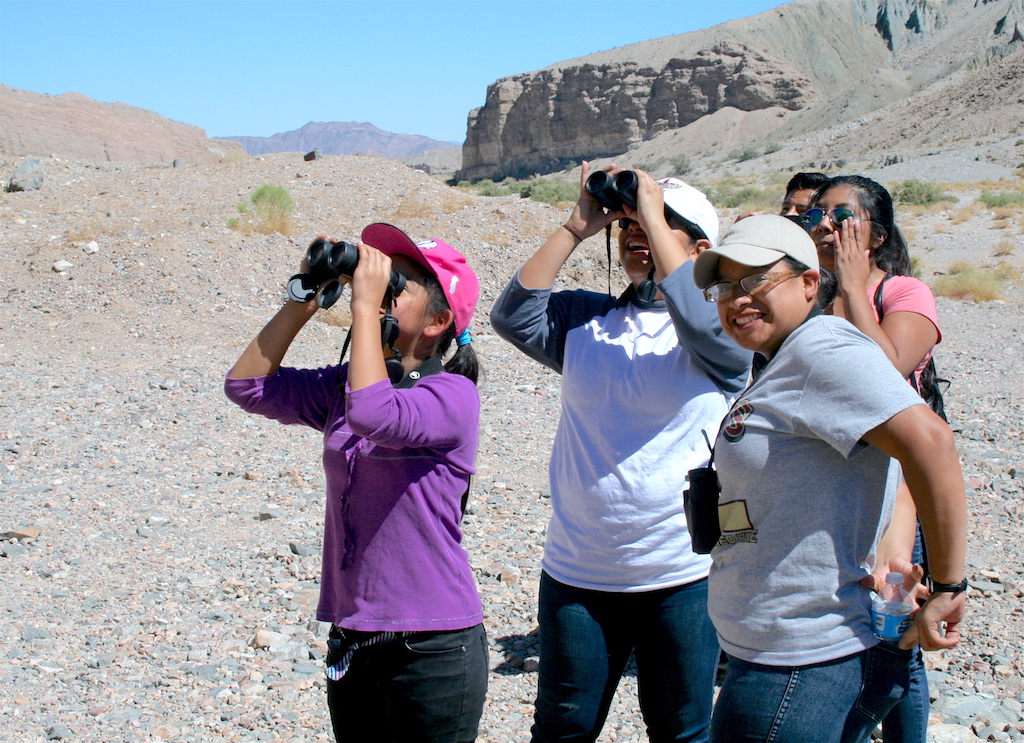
<point>837,216</point>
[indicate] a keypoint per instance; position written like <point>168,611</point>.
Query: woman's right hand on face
<point>588,216</point>
<point>370,280</point>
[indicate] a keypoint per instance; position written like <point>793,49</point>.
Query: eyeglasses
<point>755,283</point>
<point>837,216</point>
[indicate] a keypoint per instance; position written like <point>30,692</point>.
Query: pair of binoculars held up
<point>328,262</point>
<point>611,191</point>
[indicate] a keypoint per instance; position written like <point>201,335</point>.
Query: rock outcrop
<point>540,121</point>
<point>76,127</point>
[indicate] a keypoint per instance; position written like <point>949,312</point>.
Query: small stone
<point>91,248</point>
<point>145,532</point>
<point>302,550</point>
<point>34,633</point>
<point>28,176</point>
<point>27,532</point>
<point>270,511</point>
<point>62,265</point>
<point>264,638</point>
<point>59,732</point>
<point>157,520</point>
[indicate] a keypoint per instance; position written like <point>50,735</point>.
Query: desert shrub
<point>745,197</point>
<point>551,191</point>
<point>995,200</point>
<point>965,281</point>
<point>773,147</point>
<point>963,215</point>
<point>919,193</point>
<point>680,165</point>
<point>268,210</point>
<point>1003,248</point>
<point>744,154</point>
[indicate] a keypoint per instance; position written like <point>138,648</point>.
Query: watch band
<point>960,587</point>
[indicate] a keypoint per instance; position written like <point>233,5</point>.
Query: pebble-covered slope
<point>164,585</point>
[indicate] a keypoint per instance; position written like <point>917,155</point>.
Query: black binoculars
<point>327,263</point>
<point>613,191</point>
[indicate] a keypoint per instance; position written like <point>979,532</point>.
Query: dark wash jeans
<point>428,687</point>
<point>585,641</point>
<point>840,701</point>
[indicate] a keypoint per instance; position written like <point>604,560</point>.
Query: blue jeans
<point>585,641</point>
<point>840,701</point>
<point>428,687</point>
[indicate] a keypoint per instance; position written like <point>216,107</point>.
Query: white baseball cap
<point>692,205</point>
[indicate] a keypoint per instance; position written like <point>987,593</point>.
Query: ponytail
<point>464,361</point>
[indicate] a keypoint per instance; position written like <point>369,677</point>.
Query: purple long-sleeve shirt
<point>398,462</point>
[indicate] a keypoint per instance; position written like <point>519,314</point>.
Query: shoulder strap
<point>878,296</point>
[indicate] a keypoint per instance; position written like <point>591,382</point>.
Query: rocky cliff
<point>76,127</point>
<point>800,57</point>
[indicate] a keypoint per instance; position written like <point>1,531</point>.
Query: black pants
<point>428,687</point>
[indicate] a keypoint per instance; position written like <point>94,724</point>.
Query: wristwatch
<point>953,588</point>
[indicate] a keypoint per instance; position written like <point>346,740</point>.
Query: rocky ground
<point>159,571</point>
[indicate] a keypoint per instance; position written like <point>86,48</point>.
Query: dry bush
<point>1000,224</point>
<point>452,201</point>
<point>966,281</point>
<point>1003,248</point>
<point>1006,212</point>
<point>268,210</point>
<point>966,214</point>
<point>85,231</point>
<point>338,315</point>
<point>940,228</point>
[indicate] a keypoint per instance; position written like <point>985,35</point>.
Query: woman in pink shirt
<point>853,226</point>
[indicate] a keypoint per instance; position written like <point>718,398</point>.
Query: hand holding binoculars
<point>328,262</point>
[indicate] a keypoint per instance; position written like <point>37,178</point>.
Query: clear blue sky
<point>256,68</point>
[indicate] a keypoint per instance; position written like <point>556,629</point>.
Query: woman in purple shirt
<point>407,654</point>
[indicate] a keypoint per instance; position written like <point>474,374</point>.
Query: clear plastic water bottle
<point>890,609</point>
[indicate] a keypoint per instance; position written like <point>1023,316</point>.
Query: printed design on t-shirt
<point>735,422</point>
<point>735,523</point>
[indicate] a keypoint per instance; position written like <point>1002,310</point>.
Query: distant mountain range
<point>341,138</point>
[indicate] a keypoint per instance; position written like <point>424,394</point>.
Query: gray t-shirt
<point>804,500</point>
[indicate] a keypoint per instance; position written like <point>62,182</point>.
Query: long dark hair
<point>892,256</point>
<point>464,361</point>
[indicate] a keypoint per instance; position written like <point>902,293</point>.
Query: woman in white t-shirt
<point>643,375</point>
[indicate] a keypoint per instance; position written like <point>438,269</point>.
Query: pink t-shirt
<point>907,294</point>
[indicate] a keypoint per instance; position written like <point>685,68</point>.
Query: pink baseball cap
<point>458,282</point>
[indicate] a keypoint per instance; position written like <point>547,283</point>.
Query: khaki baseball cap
<point>756,241</point>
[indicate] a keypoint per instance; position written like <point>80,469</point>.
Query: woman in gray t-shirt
<point>807,491</point>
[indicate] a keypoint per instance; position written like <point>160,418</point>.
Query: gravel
<point>160,549</point>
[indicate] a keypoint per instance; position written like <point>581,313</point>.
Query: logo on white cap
<point>427,244</point>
